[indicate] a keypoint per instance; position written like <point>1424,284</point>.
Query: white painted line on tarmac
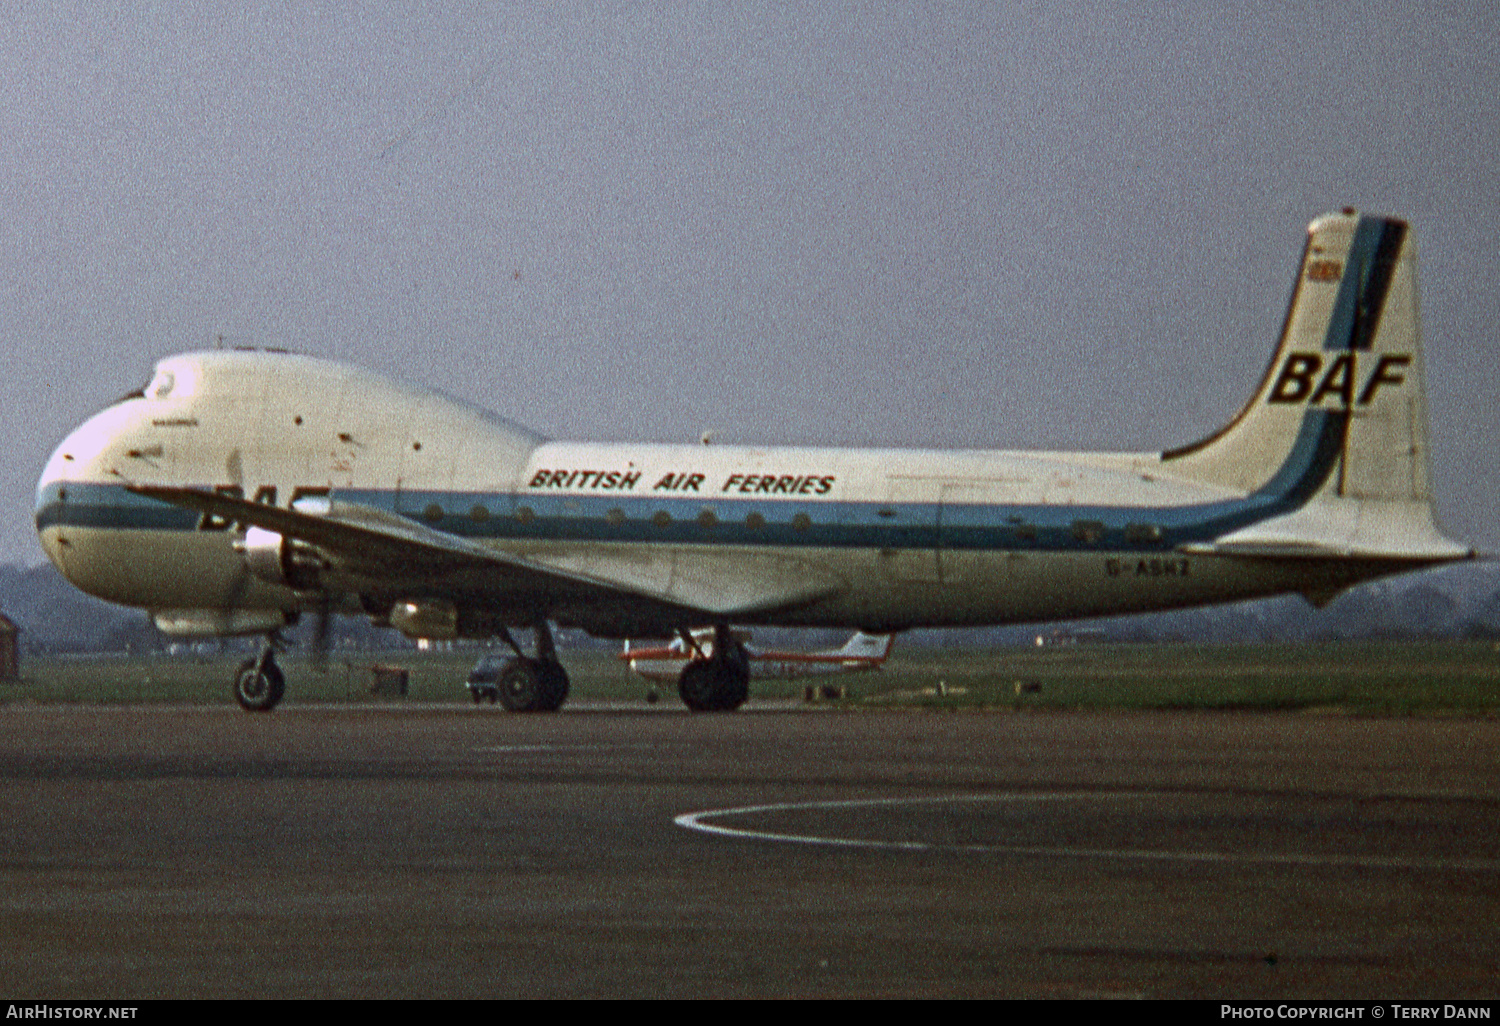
<point>698,821</point>
<point>605,747</point>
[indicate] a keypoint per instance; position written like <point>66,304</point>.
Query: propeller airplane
<point>238,491</point>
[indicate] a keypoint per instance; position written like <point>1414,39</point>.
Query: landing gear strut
<point>720,683</point>
<point>537,684</point>
<point>259,683</point>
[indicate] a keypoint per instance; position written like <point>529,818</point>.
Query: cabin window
<point>707,518</point>
<point>615,517</point>
<point>661,518</point>
<point>801,522</point>
<point>1088,531</point>
<point>755,521</point>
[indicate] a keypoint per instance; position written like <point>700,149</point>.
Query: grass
<point>1379,678</point>
<point>431,677</point>
<point>1387,678</point>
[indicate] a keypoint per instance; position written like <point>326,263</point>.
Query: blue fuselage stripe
<point>507,517</point>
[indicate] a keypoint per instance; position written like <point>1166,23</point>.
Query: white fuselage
<point>880,539</point>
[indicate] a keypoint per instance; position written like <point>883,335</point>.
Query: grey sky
<point>1045,225</point>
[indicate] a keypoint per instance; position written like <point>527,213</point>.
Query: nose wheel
<point>259,683</point>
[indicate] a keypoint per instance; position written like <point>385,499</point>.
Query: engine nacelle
<point>441,620</point>
<point>277,560</point>
<point>426,618</point>
<point>218,623</point>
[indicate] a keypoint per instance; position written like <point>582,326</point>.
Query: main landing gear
<point>720,683</point>
<point>259,682</point>
<point>717,679</point>
<point>537,684</point>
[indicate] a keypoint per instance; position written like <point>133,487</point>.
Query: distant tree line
<point>1459,602</point>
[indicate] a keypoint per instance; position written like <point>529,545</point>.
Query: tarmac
<point>610,851</point>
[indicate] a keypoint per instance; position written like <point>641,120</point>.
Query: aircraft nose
<point>63,487</point>
<point>49,509</point>
<point>48,527</point>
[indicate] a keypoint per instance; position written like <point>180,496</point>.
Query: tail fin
<point>867,646</point>
<point>1334,442</point>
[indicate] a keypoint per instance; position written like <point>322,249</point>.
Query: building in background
<point>10,658</point>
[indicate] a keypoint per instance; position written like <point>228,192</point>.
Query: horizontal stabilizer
<point>1329,527</point>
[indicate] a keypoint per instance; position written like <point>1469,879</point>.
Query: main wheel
<point>259,685</point>
<point>734,686</point>
<point>714,685</point>
<point>533,685</point>
<point>555,682</point>
<point>697,684</point>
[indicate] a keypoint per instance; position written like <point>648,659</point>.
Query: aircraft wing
<point>731,585</point>
<point>861,653</point>
<point>367,542</point>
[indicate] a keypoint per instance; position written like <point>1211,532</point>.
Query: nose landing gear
<point>259,683</point>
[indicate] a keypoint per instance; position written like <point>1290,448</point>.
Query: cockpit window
<point>161,385</point>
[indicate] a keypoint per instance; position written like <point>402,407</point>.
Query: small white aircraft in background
<point>861,653</point>
<point>238,491</point>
